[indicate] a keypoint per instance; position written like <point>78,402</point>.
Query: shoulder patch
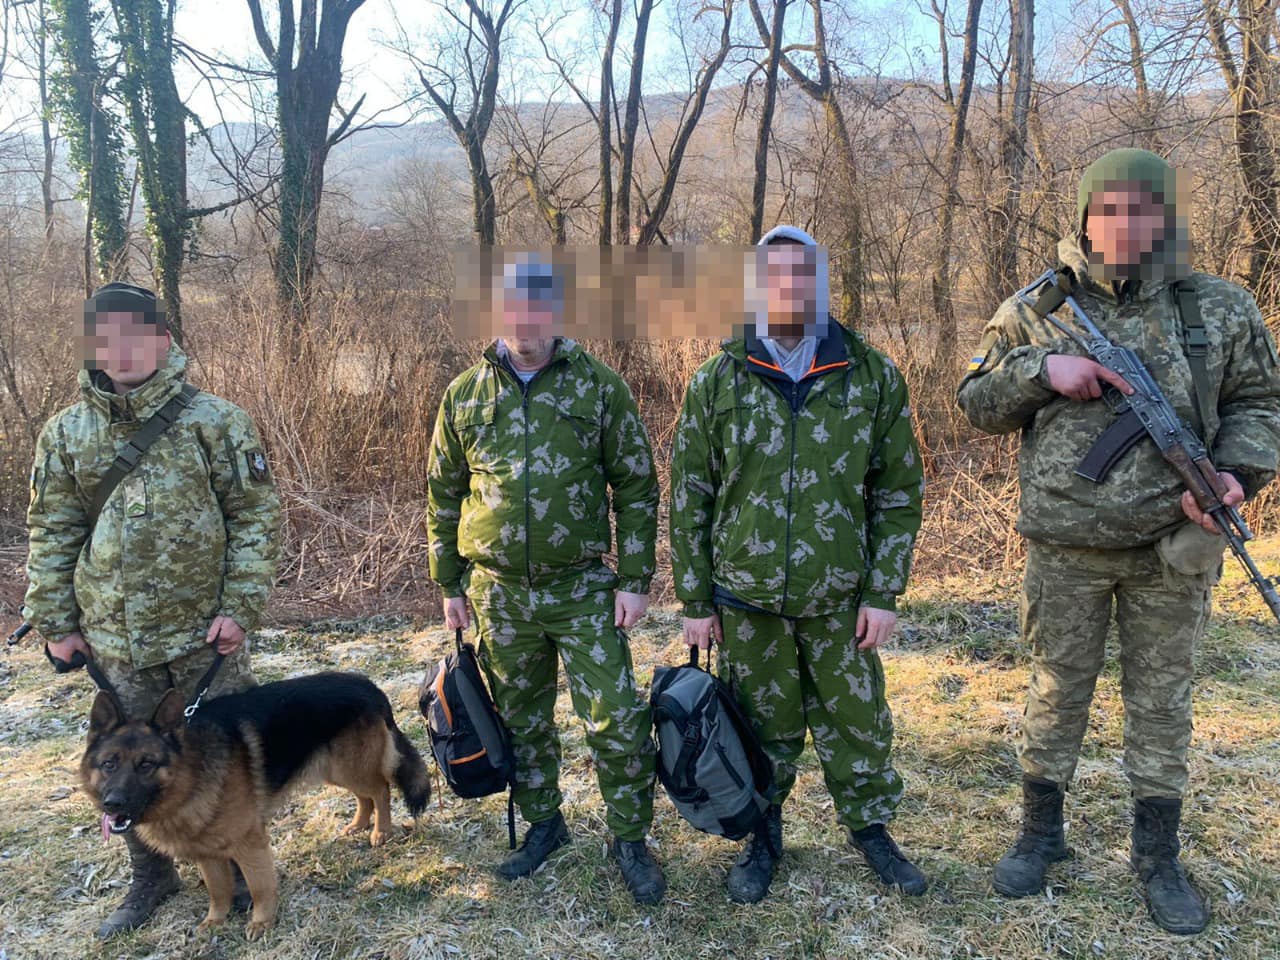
<point>992,347</point>
<point>257,464</point>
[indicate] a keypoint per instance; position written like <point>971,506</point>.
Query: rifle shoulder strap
<point>1195,345</point>
<point>129,455</point>
<point>1055,294</point>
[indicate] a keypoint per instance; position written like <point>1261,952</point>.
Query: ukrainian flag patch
<point>976,363</point>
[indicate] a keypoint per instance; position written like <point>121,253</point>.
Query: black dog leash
<point>204,684</point>
<point>78,660</point>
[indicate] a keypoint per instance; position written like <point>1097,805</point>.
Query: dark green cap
<point>1125,166</point>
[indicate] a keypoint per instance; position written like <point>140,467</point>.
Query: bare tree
<point>93,135</point>
<point>631,120</point>
<point>761,163</point>
<point>822,87</point>
<point>306,59</point>
<point>957,102</point>
<point>605,123</point>
<point>660,203</point>
<point>1148,135</point>
<point>548,155</point>
<point>462,83</point>
<point>157,118</point>
<point>1250,77</point>
<point>1004,209</point>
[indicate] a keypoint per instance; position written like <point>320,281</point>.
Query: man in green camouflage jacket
<point>796,489</point>
<point>1134,543</point>
<point>183,554</point>
<point>528,446</point>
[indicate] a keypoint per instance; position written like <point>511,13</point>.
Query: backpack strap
<point>136,447</point>
<point>1195,345</point>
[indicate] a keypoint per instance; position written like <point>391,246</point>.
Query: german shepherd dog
<point>205,790</point>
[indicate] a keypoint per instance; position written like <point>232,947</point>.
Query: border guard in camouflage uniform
<point>796,488</point>
<point>1135,545</point>
<point>183,554</point>
<point>529,443</point>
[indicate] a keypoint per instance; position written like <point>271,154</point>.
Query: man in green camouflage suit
<point>796,489</point>
<point>183,554</point>
<point>528,446</point>
<point>1135,543</point>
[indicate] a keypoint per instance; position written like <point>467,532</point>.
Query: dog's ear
<point>169,714</point>
<point>105,715</point>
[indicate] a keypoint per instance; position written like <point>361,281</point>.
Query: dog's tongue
<point>106,827</point>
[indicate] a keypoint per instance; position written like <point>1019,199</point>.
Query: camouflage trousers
<point>1069,596</point>
<point>793,674</point>
<point>522,630</point>
<point>141,690</point>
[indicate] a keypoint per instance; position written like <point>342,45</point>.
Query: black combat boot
<point>888,862</point>
<point>542,839</point>
<point>1020,872</point>
<point>750,877</point>
<point>154,880</point>
<point>1173,903</point>
<point>641,874</point>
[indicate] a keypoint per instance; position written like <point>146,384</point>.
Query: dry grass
<point>956,679</point>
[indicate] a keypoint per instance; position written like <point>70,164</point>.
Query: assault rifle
<point>1146,413</point>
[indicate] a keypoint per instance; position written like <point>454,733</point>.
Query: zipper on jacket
<point>791,484</point>
<point>528,513</point>
<point>524,408</point>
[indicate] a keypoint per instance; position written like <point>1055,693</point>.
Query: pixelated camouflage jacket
<point>519,477</point>
<point>1007,389</point>
<point>800,499</point>
<point>191,533</point>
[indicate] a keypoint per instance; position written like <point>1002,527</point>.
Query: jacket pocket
<point>475,426</point>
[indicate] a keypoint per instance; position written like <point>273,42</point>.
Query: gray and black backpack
<point>471,744</point>
<point>709,758</point>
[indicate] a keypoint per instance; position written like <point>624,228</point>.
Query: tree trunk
<point>41,45</point>
<point>1002,272</point>
<point>1147,135</point>
<point>760,187</point>
<point>631,122</point>
<point>943,308</point>
<point>606,129</point>
<point>1255,149</point>
<point>1252,86</point>
<point>306,58</point>
<point>157,117</point>
<point>658,211</point>
<point>93,141</point>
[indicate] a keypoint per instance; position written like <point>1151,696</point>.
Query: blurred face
<point>1124,226</point>
<point>528,330</point>
<point>792,287</point>
<point>125,348</point>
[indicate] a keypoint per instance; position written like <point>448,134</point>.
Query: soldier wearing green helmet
<point>1133,545</point>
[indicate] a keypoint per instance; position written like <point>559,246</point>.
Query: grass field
<point>956,676</point>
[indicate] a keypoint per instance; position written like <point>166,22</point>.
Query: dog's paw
<point>352,828</point>
<point>208,925</point>
<point>256,929</point>
<point>396,831</point>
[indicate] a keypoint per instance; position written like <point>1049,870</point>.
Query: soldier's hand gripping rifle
<point>1146,413</point>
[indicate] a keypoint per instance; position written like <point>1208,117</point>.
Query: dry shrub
<point>346,408</point>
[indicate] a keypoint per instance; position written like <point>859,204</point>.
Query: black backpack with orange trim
<point>471,744</point>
